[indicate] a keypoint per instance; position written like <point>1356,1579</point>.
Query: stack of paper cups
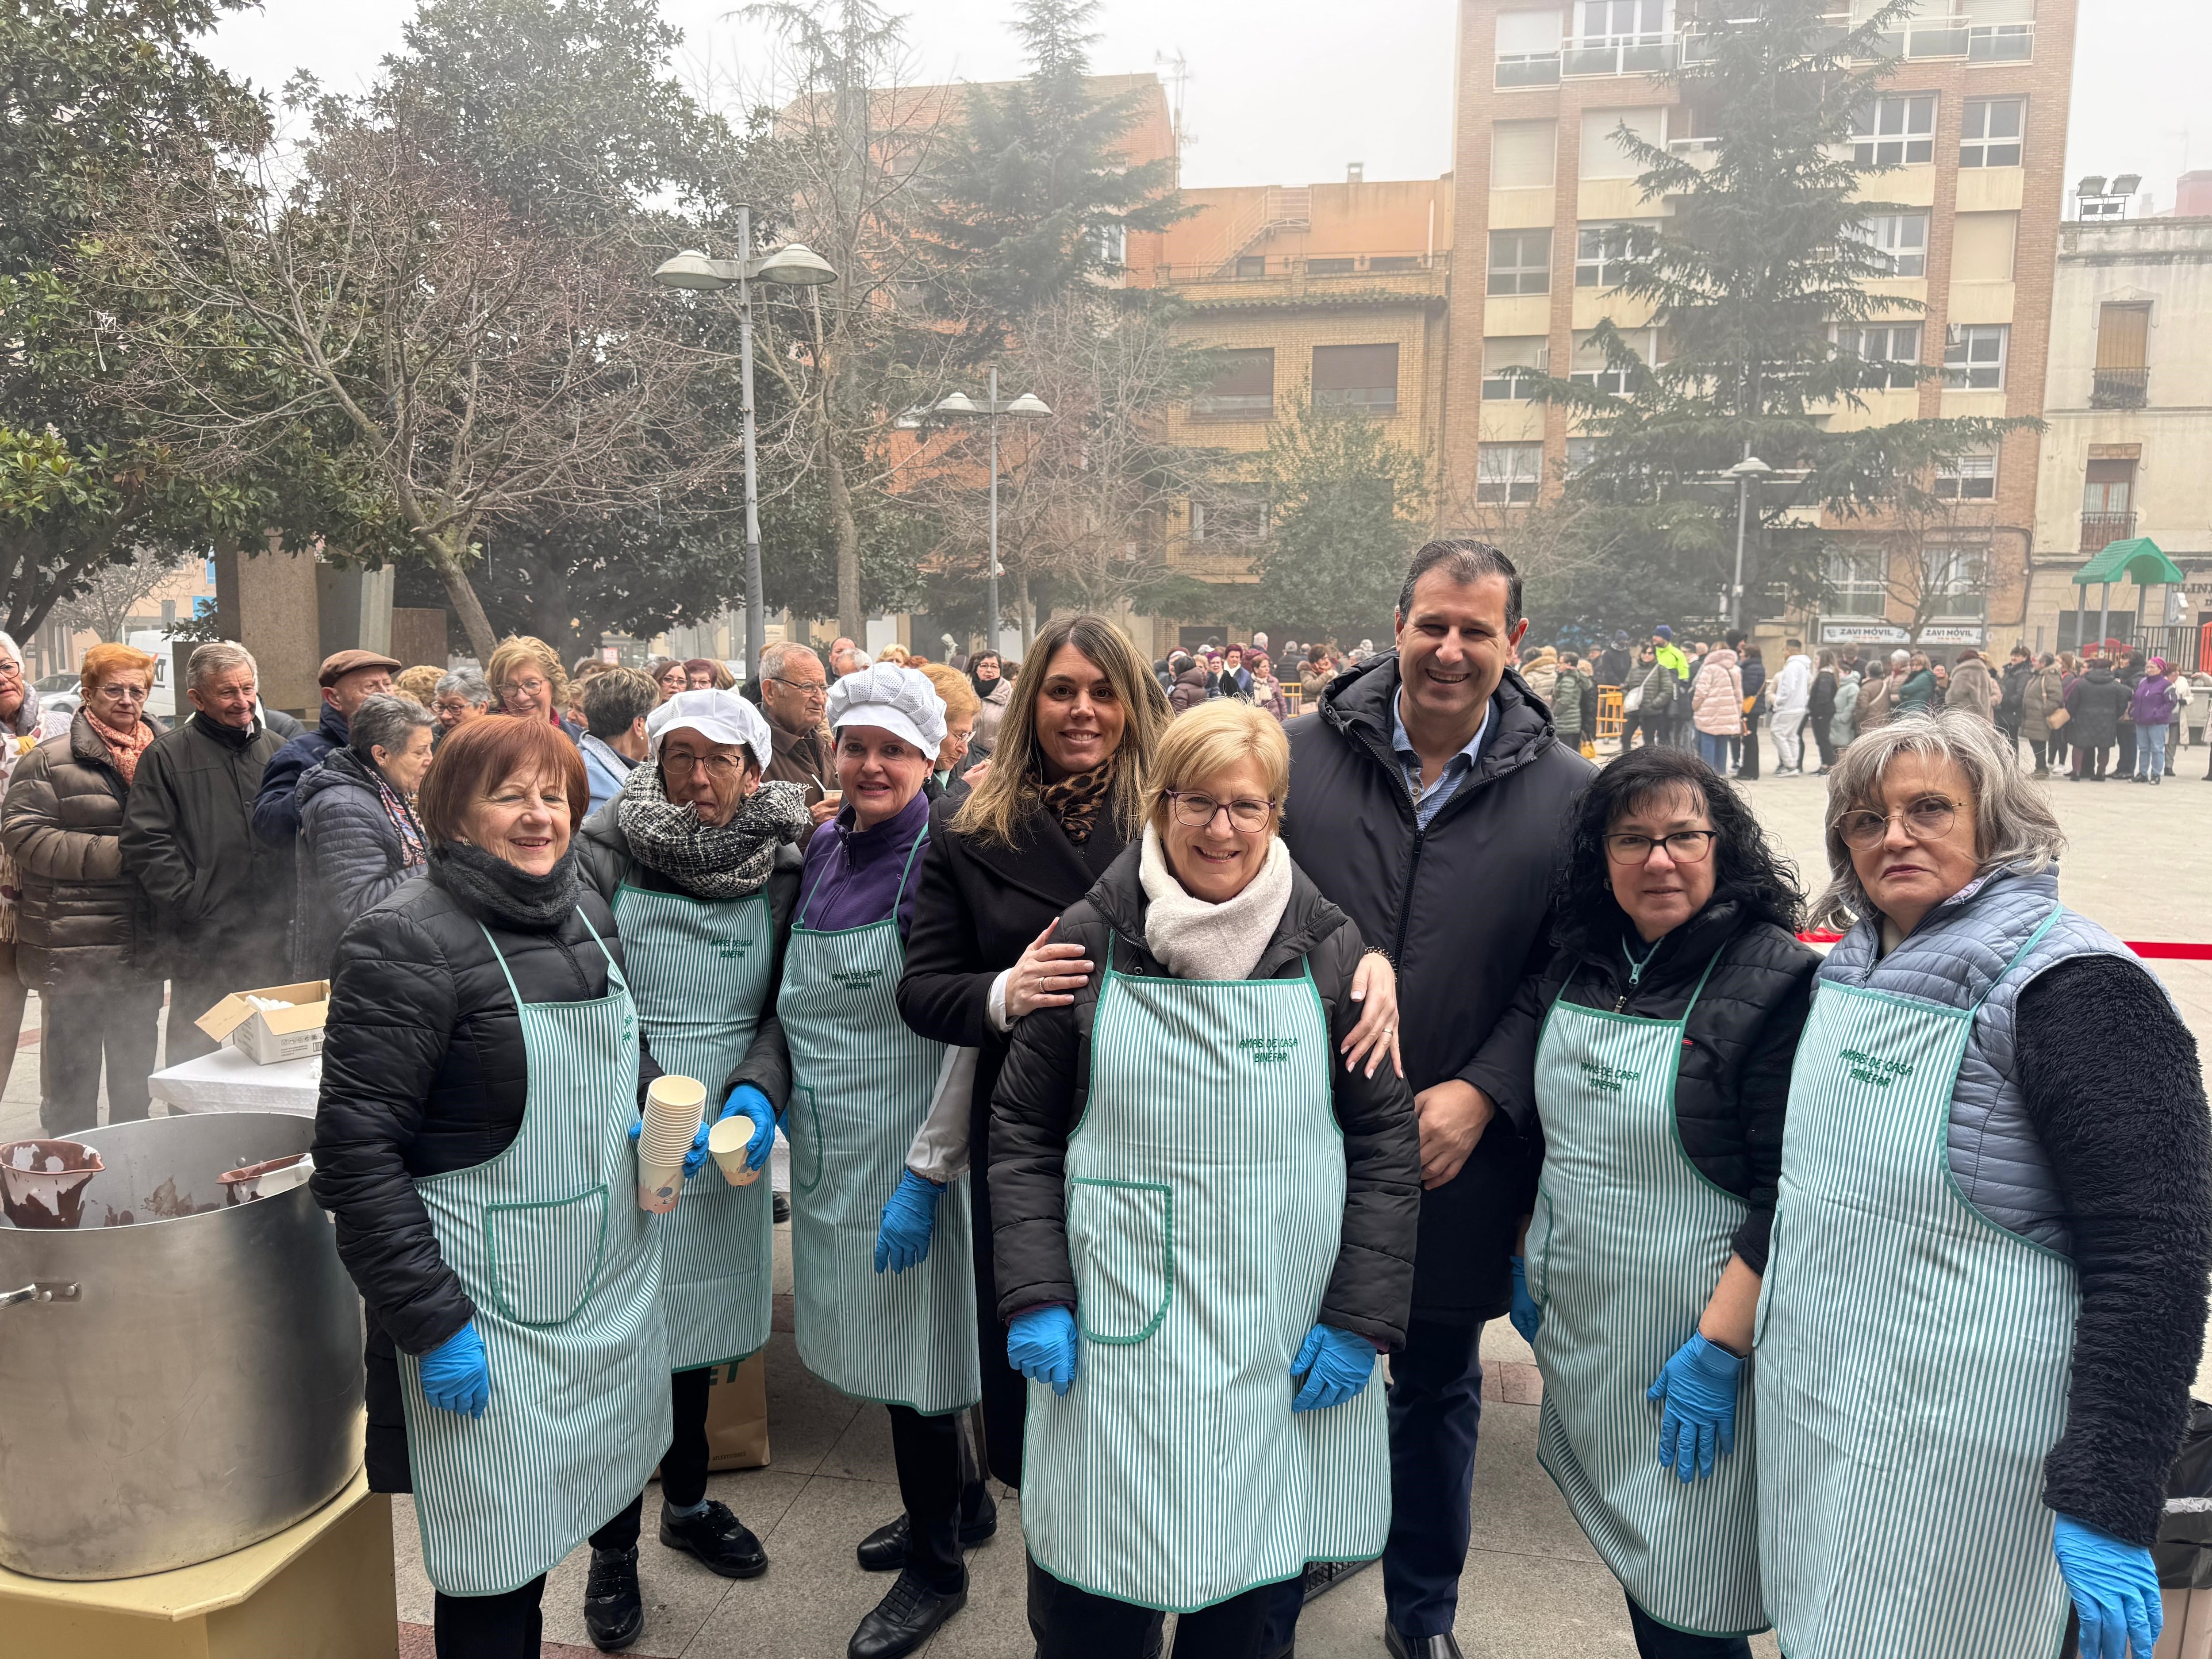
<point>728,1140</point>
<point>672,1109</point>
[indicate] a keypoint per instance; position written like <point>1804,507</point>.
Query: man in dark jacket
<point>1428,796</point>
<point>794,693</point>
<point>2012,691</point>
<point>349,678</point>
<point>220,897</point>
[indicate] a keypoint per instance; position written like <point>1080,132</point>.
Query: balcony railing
<point>1350,269</point>
<point>2101,530</point>
<point>1617,54</point>
<point>1535,69</point>
<point>2119,388</point>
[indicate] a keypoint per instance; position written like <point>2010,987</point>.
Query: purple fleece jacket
<point>852,876</point>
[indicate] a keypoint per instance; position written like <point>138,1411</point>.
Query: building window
<point>2108,504</point>
<point>1112,243</point>
<point>1501,354</point>
<point>1382,262</point>
<point>1990,135</point>
<point>1974,356</point>
<point>1581,453</point>
<point>1600,250</point>
<point>1233,515</point>
<point>1521,261</point>
<point>2122,376</point>
<point>1244,390</point>
<point>1954,582</point>
<point>1528,48</point>
<point>1893,131</point>
<point>1592,369</point>
<point>1856,582</point>
<point>1900,238</point>
<point>1521,155</point>
<point>1251,266</point>
<point>1336,266</point>
<point>1885,342</point>
<point>1967,479</point>
<point>1604,154</point>
<point>1360,379</point>
<point>2001,31</point>
<point>1508,475</point>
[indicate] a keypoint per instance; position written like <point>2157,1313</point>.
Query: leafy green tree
<point>1346,509</point>
<point>1759,278</point>
<point>1033,194</point>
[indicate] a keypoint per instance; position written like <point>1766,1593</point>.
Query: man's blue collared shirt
<point>1428,802</point>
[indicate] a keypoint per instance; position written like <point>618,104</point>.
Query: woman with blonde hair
<point>946,779</point>
<point>419,683</point>
<point>894,652</point>
<point>1192,1203</point>
<point>530,683</point>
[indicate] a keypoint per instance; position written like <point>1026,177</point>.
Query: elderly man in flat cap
<point>349,678</point>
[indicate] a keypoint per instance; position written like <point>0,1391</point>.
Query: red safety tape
<point>2163,949</point>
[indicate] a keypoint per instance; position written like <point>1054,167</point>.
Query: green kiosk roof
<point>2136,560</point>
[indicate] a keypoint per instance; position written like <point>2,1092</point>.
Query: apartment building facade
<point>2129,407</point>
<point>1972,125</point>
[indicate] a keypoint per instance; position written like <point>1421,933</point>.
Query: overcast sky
<point>1289,91</point>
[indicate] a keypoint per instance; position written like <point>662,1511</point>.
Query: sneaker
<point>614,1612</point>
<point>721,1542</point>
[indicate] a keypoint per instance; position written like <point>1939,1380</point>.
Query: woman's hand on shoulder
<point>1046,975</point>
<point>1374,987</point>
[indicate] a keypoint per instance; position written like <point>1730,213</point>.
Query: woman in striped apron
<point>1205,1235</point>
<point>698,859</point>
<point>482,1065</point>
<point>1986,1300</point>
<point>861,1085</point>
<point>1659,1038</point>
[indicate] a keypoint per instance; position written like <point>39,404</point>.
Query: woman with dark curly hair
<point>1669,1015</point>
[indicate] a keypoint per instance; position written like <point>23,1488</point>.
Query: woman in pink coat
<point>1716,707</point>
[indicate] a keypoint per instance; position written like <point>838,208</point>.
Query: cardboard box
<point>267,1036</point>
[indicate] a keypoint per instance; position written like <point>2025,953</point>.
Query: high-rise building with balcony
<point>1972,126</point>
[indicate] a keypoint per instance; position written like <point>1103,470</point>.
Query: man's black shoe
<point>779,1208</point>
<point>883,1550</point>
<point>614,1612</point>
<point>1421,1647</point>
<point>722,1543</point>
<point>905,1619</point>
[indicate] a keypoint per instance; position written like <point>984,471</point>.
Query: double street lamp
<point>794,265</point>
<point>959,404</point>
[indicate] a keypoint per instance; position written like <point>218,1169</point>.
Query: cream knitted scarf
<point>1198,940</point>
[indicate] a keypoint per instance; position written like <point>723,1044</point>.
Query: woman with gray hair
<point>462,694</point>
<point>359,837</point>
<point>1985,1302</point>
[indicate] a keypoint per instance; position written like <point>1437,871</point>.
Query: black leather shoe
<point>614,1612</point>
<point>779,1208</point>
<point>883,1550</point>
<point>723,1543</point>
<point>905,1619</point>
<point>1421,1647</point>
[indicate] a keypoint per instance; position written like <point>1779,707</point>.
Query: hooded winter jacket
<point>1716,696</point>
<point>2096,700</point>
<point>1462,907</point>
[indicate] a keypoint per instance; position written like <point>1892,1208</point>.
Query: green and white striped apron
<point>699,970</point>
<point>1912,1362</point>
<point>1627,1244</point>
<point>1206,1187</point>
<point>564,1272</point>
<point>861,1083</point>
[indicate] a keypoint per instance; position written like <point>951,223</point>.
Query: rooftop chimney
<point>1356,171</point>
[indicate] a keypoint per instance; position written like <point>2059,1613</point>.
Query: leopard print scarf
<point>1075,800</point>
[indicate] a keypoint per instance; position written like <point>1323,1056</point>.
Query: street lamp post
<point>1027,405</point>
<point>799,266</point>
<point>1746,472</point>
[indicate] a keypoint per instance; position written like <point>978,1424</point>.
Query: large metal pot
<point>173,1390</point>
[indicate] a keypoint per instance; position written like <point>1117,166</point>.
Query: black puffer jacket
<point>423,1072</point>
<point>351,854</point>
<point>1463,906</point>
<point>2096,701</point>
<point>1044,1086</point>
<point>1732,1089</point>
<point>610,861</point>
<point>81,917</point>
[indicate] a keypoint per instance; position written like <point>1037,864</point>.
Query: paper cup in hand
<point>673,1106</point>
<point>728,1141</point>
<point>659,1185</point>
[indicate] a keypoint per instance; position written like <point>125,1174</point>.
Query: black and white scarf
<point>707,861</point>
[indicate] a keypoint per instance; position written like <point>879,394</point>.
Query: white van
<point>162,703</point>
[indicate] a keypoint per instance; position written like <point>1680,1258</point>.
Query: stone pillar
<point>267,601</point>
<point>354,605</point>
<point>419,635</point>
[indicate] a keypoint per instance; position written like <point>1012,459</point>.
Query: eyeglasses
<point>1929,819</point>
<point>11,669</point>
<point>1246,817</point>
<point>1683,847</point>
<point>526,688</point>
<point>811,688</point>
<point>719,768</point>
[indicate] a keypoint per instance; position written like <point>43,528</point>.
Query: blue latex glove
<point>746,1101</point>
<point>902,1239</point>
<point>455,1376</point>
<point>1528,1318</point>
<point>695,1159</point>
<point>1335,1364</point>
<point>1699,1387</point>
<point>1041,1346</point>
<point>2115,1590</point>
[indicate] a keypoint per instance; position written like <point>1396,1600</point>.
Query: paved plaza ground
<point>1533,1590</point>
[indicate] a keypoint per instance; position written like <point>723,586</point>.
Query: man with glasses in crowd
<point>794,695</point>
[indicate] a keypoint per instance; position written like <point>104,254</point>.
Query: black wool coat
<point>1045,1087</point>
<point>1463,909</point>
<point>1732,1087</point>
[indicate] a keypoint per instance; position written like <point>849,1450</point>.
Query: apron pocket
<point>545,1257</point>
<point>1121,1240</point>
<point>803,1129</point>
<point>1536,1247</point>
